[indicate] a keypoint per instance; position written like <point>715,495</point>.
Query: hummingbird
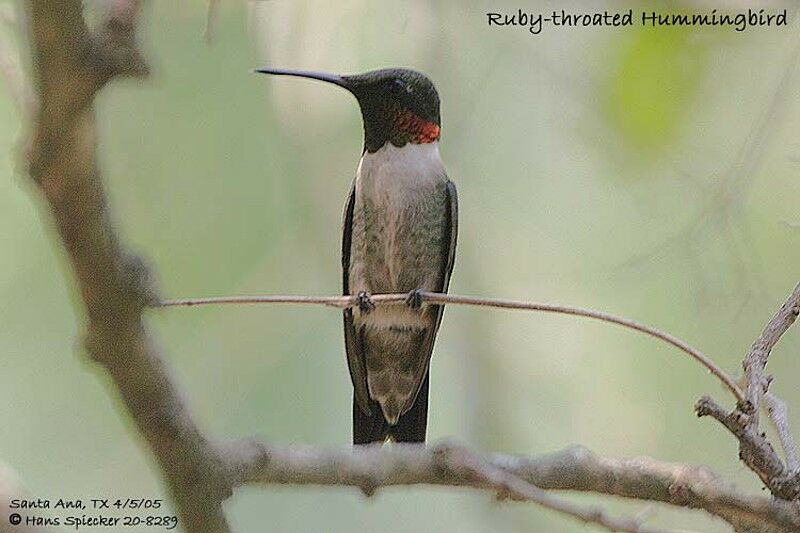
<point>399,236</point>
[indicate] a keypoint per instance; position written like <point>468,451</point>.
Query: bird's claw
<point>365,303</point>
<point>414,299</point>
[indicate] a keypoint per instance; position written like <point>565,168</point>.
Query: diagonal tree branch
<point>70,65</point>
<point>755,362</point>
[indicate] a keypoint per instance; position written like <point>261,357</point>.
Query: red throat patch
<point>418,130</point>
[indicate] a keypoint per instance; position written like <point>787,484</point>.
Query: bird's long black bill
<point>321,76</point>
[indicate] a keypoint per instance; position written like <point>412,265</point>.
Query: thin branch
<point>754,449</point>
<point>370,468</point>
<point>756,360</point>
<point>776,410</point>
<point>440,298</point>
<point>463,463</point>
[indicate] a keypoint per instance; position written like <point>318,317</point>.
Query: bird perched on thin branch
<point>400,226</point>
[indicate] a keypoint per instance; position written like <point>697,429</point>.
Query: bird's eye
<point>400,85</point>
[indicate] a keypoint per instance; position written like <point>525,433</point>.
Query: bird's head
<point>398,105</point>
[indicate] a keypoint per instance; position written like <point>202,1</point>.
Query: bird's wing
<point>452,234</point>
<point>355,357</point>
<point>435,312</point>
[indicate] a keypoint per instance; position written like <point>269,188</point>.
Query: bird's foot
<point>365,303</point>
<point>414,299</point>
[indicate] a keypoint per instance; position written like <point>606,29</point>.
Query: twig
<point>756,360</point>
<point>440,298</point>
<point>776,410</point>
<point>754,449</point>
<point>463,463</point>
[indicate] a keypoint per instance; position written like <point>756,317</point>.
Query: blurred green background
<point>648,173</point>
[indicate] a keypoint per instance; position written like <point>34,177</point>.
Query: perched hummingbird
<point>400,226</point>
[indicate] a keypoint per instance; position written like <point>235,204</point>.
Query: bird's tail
<point>409,428</point>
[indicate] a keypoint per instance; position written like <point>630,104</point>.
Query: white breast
<point>395,170</point>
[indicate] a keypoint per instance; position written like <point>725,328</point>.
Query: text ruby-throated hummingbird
<point>400,226</point>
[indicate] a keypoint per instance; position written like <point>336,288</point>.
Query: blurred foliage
<point>234,184</point>
<point>651,90</point>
